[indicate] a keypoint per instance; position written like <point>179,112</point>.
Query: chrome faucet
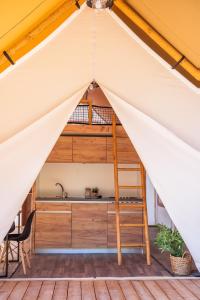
<point>64,194</point>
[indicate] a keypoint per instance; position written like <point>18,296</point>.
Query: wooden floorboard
<point>163,289</point>
<point>60,290</point>
<point>101,290</point>
<point>33,290</point>
<point>90,265</point>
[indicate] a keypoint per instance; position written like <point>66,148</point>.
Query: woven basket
<point>181,265</point>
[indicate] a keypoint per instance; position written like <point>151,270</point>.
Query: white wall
<point>76,177</point>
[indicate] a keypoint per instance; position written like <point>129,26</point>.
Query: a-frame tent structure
<point>158,108</point>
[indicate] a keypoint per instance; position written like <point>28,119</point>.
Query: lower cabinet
<point>129,234</point>
<point>83,226</point>
<point>53,225</point>
<point>89,225</point>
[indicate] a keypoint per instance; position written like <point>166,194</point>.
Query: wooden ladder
<point>141,205</point>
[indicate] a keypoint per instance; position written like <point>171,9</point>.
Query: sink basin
<point>51,198</point>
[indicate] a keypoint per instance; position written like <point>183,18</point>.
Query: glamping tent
<point>158,107</point>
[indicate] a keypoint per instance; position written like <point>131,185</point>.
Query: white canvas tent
<point>158,108</point>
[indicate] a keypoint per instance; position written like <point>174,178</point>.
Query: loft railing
<point>93,115</point>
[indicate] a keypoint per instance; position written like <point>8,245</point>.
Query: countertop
<point>88,200</point>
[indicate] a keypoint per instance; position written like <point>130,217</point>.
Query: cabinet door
<point>128,235</point>
<point>62,151</point>
<point>125,151</point>
<point>89,149</point>
<point>89,225</point>
<point>53,230</point>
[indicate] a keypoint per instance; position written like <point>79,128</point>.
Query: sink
<point>51,198</point>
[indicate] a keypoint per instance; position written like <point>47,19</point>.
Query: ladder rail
<point>145,216</point>
<point>116,182</point>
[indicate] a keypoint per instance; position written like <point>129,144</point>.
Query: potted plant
<point>95,192</point>
<point>170,240</point>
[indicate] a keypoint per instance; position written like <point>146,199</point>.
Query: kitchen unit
<point>76,225</point>
<point>105,225</point>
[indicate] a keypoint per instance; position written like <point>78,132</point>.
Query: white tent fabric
<point>23,156</point>
<point>172,165</point>
<point>159,110</point>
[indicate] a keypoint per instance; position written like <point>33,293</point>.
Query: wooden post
<point>90,111</point>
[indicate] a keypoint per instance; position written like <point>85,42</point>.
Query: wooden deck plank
<point>114,290</point>
<point>87,288</point>
<point>128,290</point>
<point>74,290</point>
<point>169,290</point>
<point>192,287</point>
<point>101,290</point>
<point>182,290</point>
<point>196,281</point>
<point>142,290</point>
<point>47,290</point>
<point>60,290</point>
<point>33,290</point>
<point>6,289</point>
<point>155,290</point>
<point>19,290</point>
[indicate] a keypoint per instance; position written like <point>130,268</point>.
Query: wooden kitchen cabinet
<point>53,225</point>
<point>62,151</point>
<point>125,151</point>
<point>89,225</point>
<point>128,235</point>
<point>89,150</point>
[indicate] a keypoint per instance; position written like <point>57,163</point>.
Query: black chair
<point>20,238</point>
<point>7,244</point>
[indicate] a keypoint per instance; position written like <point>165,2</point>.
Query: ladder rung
<point>131,225</point>
<point>133,245</point>
<point>131,205</point>
<point>130,186</point>
<point>129,169</point>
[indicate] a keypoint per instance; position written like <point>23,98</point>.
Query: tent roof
<point>24,24</point>
<point>177,21</point>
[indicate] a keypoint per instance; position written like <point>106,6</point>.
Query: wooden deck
<point>92,266</point>
<point>159,289</point>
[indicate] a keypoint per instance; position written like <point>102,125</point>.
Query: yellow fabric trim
<point>39,33</point>
<point>164,44</point>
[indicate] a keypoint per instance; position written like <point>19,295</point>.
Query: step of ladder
<point>127,205</point>
<point>136,245</point>
<point>131,225</point>
<point>130,187</point>
<point>129,169</point>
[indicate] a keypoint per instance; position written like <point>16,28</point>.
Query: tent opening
<point>75,200</point>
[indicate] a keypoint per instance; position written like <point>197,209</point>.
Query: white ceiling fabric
<point>158,108</point>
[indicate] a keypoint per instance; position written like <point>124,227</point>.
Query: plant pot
<point>181,265</point>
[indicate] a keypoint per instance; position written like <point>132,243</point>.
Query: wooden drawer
<point>53,206</point>
<point>89,225</point>
<point>53,230</point>
<point>125,151</point>
<point>89,149</point>
<point>62,151</point>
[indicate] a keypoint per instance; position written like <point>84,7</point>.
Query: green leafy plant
<point>169,240</point>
